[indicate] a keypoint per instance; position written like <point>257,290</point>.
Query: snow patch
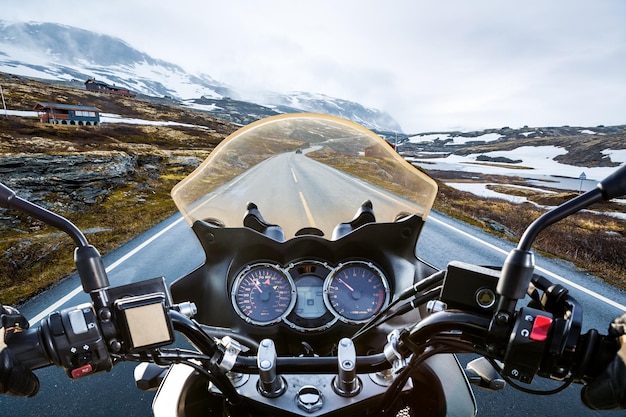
<point>20,113</point>
<point>616,155</point>
<point>116,118</point>
<point>454,139</point>
<point>201,107</point>
<point>537,160</point>
<point>481,190</point>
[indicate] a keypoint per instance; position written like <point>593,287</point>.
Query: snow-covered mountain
<point>64,53</point>
<point>52,51</point>
<point>321,103</point>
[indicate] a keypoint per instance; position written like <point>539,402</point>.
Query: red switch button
<point>81,371</point>
<point>541,327</point>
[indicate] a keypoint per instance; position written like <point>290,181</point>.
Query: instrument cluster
<point>309,295</point>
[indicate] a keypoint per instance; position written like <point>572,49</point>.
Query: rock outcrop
<point>77,179</point>
<point>71,182</point>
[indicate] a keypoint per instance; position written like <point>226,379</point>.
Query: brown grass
<point>35,256</point>
<point>594,242</point>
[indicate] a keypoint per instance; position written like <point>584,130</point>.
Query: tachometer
<point>356,291</point>
<point>263,294</point>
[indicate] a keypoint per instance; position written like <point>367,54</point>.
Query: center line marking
<point>306,210</point>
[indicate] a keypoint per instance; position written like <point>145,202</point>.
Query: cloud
<point>431,65</point>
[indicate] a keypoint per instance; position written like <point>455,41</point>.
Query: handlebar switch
<point>75,341</point>
<point>527,344</point>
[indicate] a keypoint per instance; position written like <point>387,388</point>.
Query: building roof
<point>94,81</point>
<point>42,106</point>
<point>102,83</point>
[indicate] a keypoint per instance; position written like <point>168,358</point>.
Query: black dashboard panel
<point>304,290</point>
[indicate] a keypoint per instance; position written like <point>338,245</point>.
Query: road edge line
<point>108,269</point>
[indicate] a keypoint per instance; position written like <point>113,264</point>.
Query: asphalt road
<point>170,250</point>
<point>295,191</point>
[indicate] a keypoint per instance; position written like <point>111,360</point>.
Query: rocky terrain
<point>71,182</point>
<point>584,145</point>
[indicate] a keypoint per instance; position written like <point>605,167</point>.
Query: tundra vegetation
<point>592,239</point>
<point>113,181</point>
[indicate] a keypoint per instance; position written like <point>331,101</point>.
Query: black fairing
<point>389,246</point>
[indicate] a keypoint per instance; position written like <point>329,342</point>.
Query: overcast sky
<point>432,65</point>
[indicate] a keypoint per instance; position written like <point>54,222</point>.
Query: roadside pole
<point>6,114</point>
<point>582,177</point>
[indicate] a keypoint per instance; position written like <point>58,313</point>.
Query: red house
<point>65,114</point>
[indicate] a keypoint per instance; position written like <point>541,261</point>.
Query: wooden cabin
<point>101,87</point>
<point>65,114</point>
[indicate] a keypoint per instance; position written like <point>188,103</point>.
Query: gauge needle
<point>344,283</point>
<point>256,285</point>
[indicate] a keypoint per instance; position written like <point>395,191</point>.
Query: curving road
<point>171,250</point>
<point>295,191</point>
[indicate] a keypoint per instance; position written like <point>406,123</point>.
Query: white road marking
<point>542,270</point>
<point>53,307</point>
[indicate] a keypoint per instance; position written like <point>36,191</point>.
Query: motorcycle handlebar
<point>287,365</point>
<point>72,339</point>
<point>536,344</point>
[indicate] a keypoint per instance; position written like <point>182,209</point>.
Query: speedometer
<point>356,291</point>
<point>263,294</point>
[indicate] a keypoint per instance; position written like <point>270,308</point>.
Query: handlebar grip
<point>596,352</point>
<point>29,349</point>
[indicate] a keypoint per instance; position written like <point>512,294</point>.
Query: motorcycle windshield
<point>302,171</point>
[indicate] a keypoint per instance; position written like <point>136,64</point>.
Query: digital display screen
<point>310,300</point>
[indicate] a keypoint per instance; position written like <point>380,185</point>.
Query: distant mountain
<point>58,52</point>
<point>321,103</point>
<point>63,53</point>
